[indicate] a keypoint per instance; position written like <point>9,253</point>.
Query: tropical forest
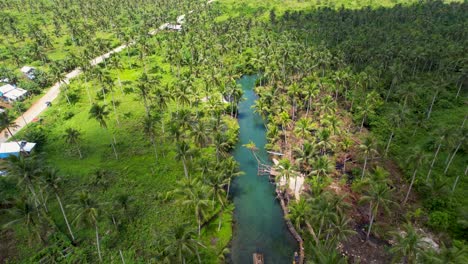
<point>234,131</point>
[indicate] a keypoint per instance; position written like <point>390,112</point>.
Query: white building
<point>11,93</point>
<point>28,71</point>
<point>15,148</point>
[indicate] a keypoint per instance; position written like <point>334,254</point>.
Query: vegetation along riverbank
<point>145,157</point>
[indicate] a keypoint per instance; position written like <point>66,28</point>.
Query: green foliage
<point>439,220</point>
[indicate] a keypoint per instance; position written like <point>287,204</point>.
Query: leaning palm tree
<point>417,158</point>
<point>73,137</point>
<point>409,245</point>
<point>100,113</point>
<point>377,197</point>
<point>52,180</point>
<point>88,211</point>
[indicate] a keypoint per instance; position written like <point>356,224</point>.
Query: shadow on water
<point>259,224</point>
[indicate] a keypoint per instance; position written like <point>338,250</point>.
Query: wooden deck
<point>258,258</point>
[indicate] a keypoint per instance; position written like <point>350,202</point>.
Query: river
<point>259,225</point>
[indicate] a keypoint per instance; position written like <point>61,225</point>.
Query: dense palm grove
<point>369,105</point>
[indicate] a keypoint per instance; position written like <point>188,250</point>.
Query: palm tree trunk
<point>65,216</point>
<point>388,144</point>
<point>312,232</point>
<point>459,89</point>
<point>432,104</point>
<point>121,256</point>
<point>433,161</point>
<point>411,186</point>
<point>372,216</point>
<point>98,245</point>
<point>456,180</point>
<point>185,168</point>
<point>453,156</point>
<point>364,168</point>
<point>362,123</point>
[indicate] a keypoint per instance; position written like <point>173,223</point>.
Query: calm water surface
<point>259,225</point>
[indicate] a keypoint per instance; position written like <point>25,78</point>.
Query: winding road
<point>40,105</point>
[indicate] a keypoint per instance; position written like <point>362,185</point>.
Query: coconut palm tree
<point>322,167</point>
<point>417,158</point>
<point>367,147</point>
<point>299,213</point>
<point>378,196</point>
<point>25,170</point>
<point>181,245</point>
<point>340,229</point>
<point>52,180</point>
<point>100,113</point>
<point>6,122</point>
<point>286,171</point>
<point>457,254</point>
<point>194,195</point>
<point>150,132</point>
<point>26,214</point>
<point>88,211</point>
<point>183,153</point>
<point>73,137</point>
<point>409,245</point>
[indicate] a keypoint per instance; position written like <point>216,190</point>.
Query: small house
<point>14,148</point>
<point>10,93</point>
<point>29,72</point>
<point>6,88</point>
<point>17,94</point>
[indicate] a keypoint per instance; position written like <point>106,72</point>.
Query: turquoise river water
<point>259,225</point>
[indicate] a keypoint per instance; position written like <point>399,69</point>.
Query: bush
<point>439,220</point>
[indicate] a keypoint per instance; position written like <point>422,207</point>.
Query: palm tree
<point>368,149</point>
<point>303,127</point>
<point>322,167</point>
<point>416,159</point>
<point>73,137</point>
<point>462,141</point>
<point>24,213</point>
<point>52,180</point>
<point>88,211</point>
<point>182,245</point>
<point>457,254</point>
<point>325,252</point>
<point>100,113</point>
<point>183,153</point>
<point>286,171</point>
<point>7,123</point>
<point>377,197</point>
<point>340,228</point>
<point>149,130</point>
<point>298,213</point>
<point>409,245</point>
<point>25,170</point>
<point>194,195</point>
<point>324,140</point>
